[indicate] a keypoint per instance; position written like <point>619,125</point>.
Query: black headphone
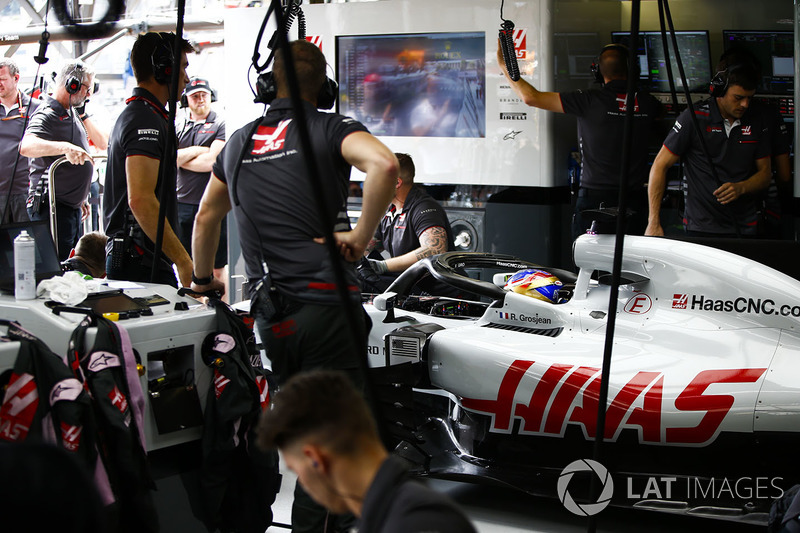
<point>721,80</point>
<point>267,90</point>
<point>73,83</point>
<point>162,59</point>
<point>185,99</point>
<point>595,68</point>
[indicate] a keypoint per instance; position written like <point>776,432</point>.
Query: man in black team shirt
<point>55,130</point>
<point>414,227</point>
<point>601,122</point>
<point>279,224</point>
<point>738,141</point>
<point>137,149</point>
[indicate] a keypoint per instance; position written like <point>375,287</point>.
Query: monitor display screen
<point>47,264</point>
<point>774,50</point>
<point>414,84</point>
<point>695,54</point>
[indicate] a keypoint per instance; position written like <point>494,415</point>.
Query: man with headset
<point>56,130</point>
<point>601,122</point>
<point>721,197</point>
<point>14,113</point>
<point>200,140</point>
<point>261,174</point>
<point>136,153</point>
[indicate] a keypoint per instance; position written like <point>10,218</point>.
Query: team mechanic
<point>738,141</point>
<point>135,152</point>
<point>55,130</point>
<point>414,227</point>
<point>601,123</point>
<point>280,225</point>
<point>200,140</point>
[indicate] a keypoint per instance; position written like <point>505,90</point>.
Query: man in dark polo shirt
<point>414,227</point>
<point>15,110</point>
<point>55,130</point>
<point>601,122</point>
<point>200,140</point>
<point>136,151</point>
<point>738,141</point>
<point>327,436</point>
<point>280,227</point>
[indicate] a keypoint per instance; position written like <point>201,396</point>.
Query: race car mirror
<point>384,301</point>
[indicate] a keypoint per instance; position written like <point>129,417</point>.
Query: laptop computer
<point>47,263</point>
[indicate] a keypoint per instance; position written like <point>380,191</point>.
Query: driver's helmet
<point>535,283</point>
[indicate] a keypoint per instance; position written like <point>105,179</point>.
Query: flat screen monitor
<point>695,53</point>
<point>414,84</point>
<point>774,51</point>
<point>47,263</point>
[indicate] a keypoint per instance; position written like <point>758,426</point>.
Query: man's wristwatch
<point>202,281</point>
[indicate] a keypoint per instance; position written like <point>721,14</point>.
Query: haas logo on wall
<point>521,43</point>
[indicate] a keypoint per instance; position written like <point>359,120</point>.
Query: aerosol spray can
<point>24,266</point>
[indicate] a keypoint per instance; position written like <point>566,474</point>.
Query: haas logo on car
<point>566,394</point>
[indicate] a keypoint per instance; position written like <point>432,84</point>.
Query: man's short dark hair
<point>145,45</point>
<point>91,248</point>
<point>736,56</point>
<point>744,75</point>
<point>309,62</point>
<point>321,406</point>
<point>614,62</point>
<point>407,169</point>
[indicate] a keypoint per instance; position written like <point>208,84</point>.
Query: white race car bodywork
<point>706,343</point>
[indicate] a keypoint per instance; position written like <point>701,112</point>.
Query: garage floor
<point>497,510</point>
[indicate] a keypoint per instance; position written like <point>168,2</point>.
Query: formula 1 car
<point>703,412</point>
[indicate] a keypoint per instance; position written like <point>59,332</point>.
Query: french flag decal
<point>504,315</point>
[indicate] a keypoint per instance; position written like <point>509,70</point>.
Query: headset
<point>267,90</point>
<point>185,100</point>
<point>721,80</point>
<point>595,68</point>
<point>73,82</point>
<point>162,59</point>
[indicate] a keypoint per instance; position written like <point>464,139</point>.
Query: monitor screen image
<point>695,53</point>
<point>414,84</point>
<point>774,51</point>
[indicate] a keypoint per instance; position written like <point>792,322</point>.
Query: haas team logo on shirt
<point>622,102</point>
<point>269,139</point>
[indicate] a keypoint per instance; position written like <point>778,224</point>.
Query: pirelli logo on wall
<point>513,116</point>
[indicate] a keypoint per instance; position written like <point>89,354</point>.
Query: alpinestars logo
<point>220,382</point>
<point>71,437</point>
<point>19,406</point>
<point>269,139</point>
<point>103,360</point>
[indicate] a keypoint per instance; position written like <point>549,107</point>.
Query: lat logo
<point>747,130</point>
<point>269,139</point>
<point>521,43</point>
<point>679,301</point>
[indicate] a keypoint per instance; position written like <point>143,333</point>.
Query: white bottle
<point>24,267</point>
